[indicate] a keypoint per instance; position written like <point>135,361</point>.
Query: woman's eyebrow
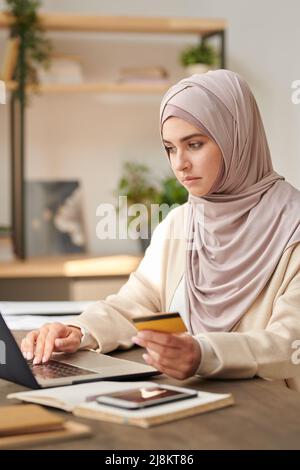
<point>183,139</point>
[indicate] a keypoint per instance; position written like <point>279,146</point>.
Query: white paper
<point>44,308</point>
<point>72,395</point>
<point>32,322</point>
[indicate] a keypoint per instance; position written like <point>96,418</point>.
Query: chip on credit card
<point>164,322</point>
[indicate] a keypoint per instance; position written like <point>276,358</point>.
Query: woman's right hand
<point>39,344</point>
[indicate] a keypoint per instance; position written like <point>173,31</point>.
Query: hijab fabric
<point>238,231</point>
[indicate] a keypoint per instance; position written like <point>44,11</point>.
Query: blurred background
<point>78,140</point>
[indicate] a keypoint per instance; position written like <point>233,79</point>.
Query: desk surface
<point>266,416</point>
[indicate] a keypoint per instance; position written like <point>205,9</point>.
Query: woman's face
<point>192,155</point>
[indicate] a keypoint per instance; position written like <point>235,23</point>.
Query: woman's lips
<point>190,180</point>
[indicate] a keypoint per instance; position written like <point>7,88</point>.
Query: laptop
<point>63,369</point>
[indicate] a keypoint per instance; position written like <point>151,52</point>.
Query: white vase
<point>197,68</point>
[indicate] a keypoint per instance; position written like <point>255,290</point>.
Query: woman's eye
<point>196,145</point>
<point>193,145</point>
<point>169,149</point>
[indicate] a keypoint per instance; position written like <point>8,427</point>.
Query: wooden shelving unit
<point>205,28</point>
<point>124,24</point>
<point>95,87</point>
<point>116,24</point>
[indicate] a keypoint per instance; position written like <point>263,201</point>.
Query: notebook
<point>29,425</point>
<point>81,401</point>
<point>22,419</point>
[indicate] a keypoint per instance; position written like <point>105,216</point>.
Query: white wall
<point>88,136</point>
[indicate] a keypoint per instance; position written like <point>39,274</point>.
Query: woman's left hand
<point>177,355</point>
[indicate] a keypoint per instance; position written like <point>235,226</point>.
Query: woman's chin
<point>197,192</point>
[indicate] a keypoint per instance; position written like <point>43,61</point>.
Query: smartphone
<point>146,396</point>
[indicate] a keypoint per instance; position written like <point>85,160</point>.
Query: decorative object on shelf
<point>136,183</point>
<point>35,49</point>
<point>154,74</point>
<point>200,58</point>
<point>10,59</point>
<point>63,69</point>
<point>54,218</point>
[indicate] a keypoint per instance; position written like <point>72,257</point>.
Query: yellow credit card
<point>164,322</point>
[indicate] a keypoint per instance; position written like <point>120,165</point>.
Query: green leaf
<point>136,182</point>
<point>203,53</point>
<point>35,49</point>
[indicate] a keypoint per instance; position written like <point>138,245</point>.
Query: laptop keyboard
<point>56,370</point>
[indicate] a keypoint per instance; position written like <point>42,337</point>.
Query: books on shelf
<point>65,69</point>
<point>81,401</point>
<point>152,74</point>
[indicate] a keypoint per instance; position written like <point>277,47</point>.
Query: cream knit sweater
<point>265,342</point>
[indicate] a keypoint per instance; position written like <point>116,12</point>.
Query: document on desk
<point>33,322</point>
<point>81,401</point>
<point>32,315</point>
<point>44,308</point>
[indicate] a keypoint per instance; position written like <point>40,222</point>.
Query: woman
<point>228,260</point>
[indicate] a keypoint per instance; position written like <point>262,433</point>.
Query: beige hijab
<point>250,215</point>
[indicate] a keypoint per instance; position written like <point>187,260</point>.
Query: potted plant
<point>200,58</point>
<point>35,48</point>
<point>172,192</point>
<point>137,185</point>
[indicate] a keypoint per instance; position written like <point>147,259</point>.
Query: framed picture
<point>53,218</point>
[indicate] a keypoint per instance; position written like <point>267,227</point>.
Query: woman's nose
<point>181,162</point>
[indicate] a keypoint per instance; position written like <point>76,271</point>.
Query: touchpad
<point>90,360</point>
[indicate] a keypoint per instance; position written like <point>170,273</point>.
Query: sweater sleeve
<point>268,353</point>
<point>109,321</point>
<point>209,359</point>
